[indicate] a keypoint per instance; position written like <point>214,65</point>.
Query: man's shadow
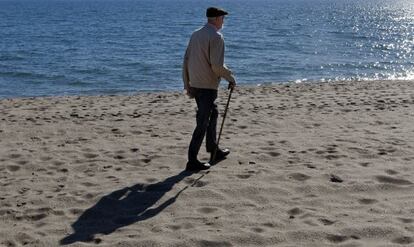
<point>124,207</point>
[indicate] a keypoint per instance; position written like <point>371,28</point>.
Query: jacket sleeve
<point>223,71</point>
<point>186,78</point>
<point>217,59</point>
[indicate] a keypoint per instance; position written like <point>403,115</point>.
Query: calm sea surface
<point>84,47</point>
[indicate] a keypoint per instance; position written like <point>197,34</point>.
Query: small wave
<point>21,74</point>
<point>32,76</point>
<point>10,57</point>
<point>92,71</point>
<point>71,50</point>
<point>77,83</point>
<point>389,77</point>
<point>133,64</point>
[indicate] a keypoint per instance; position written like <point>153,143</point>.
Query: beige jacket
<point>203,64</point>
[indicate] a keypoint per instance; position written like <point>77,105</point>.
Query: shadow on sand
<point>124,207</point>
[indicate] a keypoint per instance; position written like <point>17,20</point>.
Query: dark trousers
<point>207,114</point>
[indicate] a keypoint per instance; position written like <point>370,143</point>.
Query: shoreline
<point>311,165</point>
<point>222,86</point>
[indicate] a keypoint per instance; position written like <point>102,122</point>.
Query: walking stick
<point>222,124</point>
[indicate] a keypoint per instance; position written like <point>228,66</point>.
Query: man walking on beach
<point>203,68</point>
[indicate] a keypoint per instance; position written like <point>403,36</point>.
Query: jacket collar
<point>209,25</point>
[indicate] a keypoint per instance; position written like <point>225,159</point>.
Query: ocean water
<point>89,47</point>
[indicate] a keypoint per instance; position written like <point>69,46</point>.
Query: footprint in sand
<point>8,243</point>
<point>45,158</point>
<point>22,162</point>
<point>58,163</point>
<point>333,157</point>
<point>294,211</point>
<point>88,184</point>
<point>403,240</point>
<point>200,183</point>
<point>335,179</point>
<point>391,180</point>
<point>136,132</point>
<point>336,238</point>
<point>175,227</point>
<point>195,183</point>
<point>206,243</point>
<point>119,157</point>
<point>88,196</point>
<point>15,156</point>
<point>151,180</point>
<point>269,225</point>
<point>299,176</point>
<point>76,211</point>
<point>391,172</point>
<point>274,154</point>
<point>13,168</point>
<point>90,155</point>
<point>326,222</point>
<point>207,210</point>
<point>258,229</point>
<point>406,221</point>
<point>367,201</point>
<point>244,176</point>
<point>146,160</point>
<point>310,223</point>
<point>35,217</point>
<point>97,240</point>
<point>25,239</point>
<point>310,166</point>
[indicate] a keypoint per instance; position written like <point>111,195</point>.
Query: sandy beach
<point>328,164</point>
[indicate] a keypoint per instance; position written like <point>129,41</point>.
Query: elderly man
<point>203,68</point>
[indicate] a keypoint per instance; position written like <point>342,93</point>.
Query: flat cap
<point>215,12</point>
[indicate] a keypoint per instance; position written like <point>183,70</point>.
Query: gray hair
<point>211,19</point>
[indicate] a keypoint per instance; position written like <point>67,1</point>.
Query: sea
<point>106,47</point>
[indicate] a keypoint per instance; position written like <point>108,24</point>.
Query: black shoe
<point>220,155</point>
<point>196,166</point>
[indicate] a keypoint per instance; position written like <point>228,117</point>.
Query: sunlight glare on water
<point>59,47</point>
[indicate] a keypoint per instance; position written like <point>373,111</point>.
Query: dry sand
<point>311,165</point>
